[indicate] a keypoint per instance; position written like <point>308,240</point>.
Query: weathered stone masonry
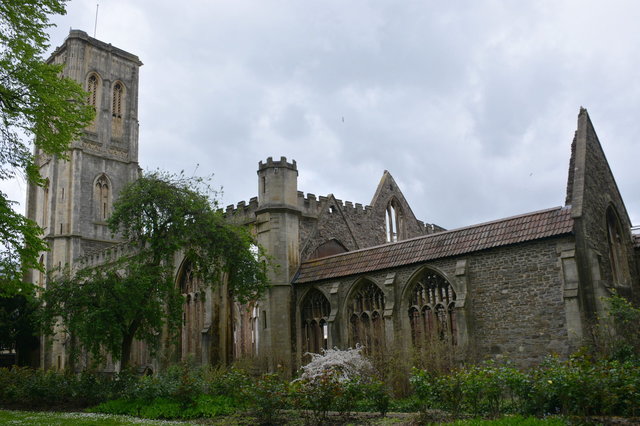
<point>517,288</point>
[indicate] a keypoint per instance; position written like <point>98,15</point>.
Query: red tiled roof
<point>512,230</point>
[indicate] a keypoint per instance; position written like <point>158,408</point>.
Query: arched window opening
<point>394,222</point>
<point>328,248</point>
<point>617,251</point>
<point>192,314</point>
<point>366,310</point>
<point>102,196</point>
<point>315,315</point>
<point>117,112</point>
<point>92,89</point>
<point>432,310</point>
<point>116,102</point>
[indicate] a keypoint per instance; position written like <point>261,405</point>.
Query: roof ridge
<point>425,237</point>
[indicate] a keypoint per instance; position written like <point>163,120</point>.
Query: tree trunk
<point>125,354</point>
<point>127,342</point>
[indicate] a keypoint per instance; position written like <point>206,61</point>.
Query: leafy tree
<point>18,326</point>
<point>134,297</point>
<point>37,107</point>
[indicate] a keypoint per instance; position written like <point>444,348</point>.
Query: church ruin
<point>520,287</point>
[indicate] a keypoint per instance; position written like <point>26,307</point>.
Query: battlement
<point>311,205</point>
<point>269,164</point>
<point>105,256</point>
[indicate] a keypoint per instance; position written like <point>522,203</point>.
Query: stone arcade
<point>520,287</point>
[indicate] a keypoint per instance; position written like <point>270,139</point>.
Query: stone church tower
<point>76,200</point>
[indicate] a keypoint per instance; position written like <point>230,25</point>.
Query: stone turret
<point>278,228</point>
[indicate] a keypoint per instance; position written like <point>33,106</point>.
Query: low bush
<point>574,387</point>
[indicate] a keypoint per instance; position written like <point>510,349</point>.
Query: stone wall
<point>514,306</point>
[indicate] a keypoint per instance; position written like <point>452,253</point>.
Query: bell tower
<point>76,201</point>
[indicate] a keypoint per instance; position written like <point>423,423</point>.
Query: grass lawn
<point>71,419</point>
<point>74,419</point>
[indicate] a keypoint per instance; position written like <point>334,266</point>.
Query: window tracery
<point>394,222</point>
<point>315,326</point>
<point>117,109</point>
<point>92,88</point>
<point>432,310</point>
<point>102,196</point>
<point>116,103</point>
<point>192,314</point>
<point>366,310</point>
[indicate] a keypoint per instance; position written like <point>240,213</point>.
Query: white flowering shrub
<point>348,365</point>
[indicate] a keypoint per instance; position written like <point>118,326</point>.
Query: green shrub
<point>577,386</point>
<point>267,397</point>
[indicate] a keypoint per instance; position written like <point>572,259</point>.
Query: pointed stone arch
<point>364,310</point>
<point>394,221</point>
<point>102,197</point>
<point>433,308</point>
<point>94,89</point>
<point>193,312</point>
<point>328,248</point>
<point>315,310</point>
<point>118,96</point>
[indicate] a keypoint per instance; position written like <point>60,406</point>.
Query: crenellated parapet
<point>242,212</point>
<point>105,256</point>
<point>282,163</point>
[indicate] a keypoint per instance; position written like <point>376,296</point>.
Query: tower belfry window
<point>116,107</point>
<point>92,88</point>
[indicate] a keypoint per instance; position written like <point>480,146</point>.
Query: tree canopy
<point>161,217</point>
<point>37,107</point>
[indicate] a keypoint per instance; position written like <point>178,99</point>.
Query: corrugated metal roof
<point>512,230</point>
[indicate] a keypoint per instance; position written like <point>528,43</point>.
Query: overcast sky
<point>471,106</point>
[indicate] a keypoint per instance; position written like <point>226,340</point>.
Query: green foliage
<point>161,214</point>
<point>18,325</point>
<point>510,420</point>
<point>574,387</point>
<point>28,388</point>
<point>36,107</point>
<point>625,341</point>
<point>266,397</point>
<point>166,408</point>
<point>135,297</point>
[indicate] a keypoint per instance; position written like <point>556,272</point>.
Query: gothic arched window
<point>315,327</point>
<point>192,313</point>
<point>93,83</point>
<point>366,310</point>
<point>102,197</point>
<point>432,310</point>
<point>394,222</point>
<point>116,104</point>
<point>617,251</point>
